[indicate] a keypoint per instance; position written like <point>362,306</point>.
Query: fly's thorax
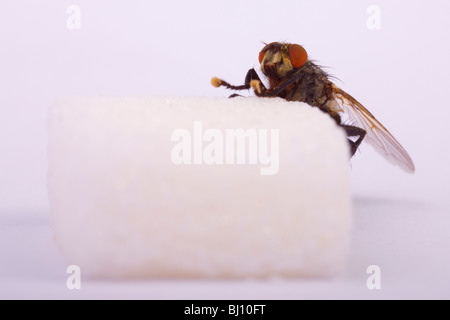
<point>311,86</point>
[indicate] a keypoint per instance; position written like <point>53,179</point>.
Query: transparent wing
<point>377,135</point>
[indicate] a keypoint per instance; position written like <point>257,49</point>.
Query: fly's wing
<point>377,135</point>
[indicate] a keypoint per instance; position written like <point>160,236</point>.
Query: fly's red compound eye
<point>297,55</point>
<point>262,53</point>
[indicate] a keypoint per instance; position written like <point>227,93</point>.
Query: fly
<point>294,77</point>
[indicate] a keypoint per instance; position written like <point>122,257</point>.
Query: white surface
<point>407,239</point>
<point>399,72</point>
<point>112,180</point>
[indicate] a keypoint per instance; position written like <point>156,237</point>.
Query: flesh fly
<point>294,77</point>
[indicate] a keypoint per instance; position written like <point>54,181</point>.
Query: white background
<point>399,72</point>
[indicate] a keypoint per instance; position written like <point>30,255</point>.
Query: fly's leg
<point>353,131</point>
<point>252,80</point>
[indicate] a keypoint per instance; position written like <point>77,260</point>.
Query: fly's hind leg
<point>353,131</point>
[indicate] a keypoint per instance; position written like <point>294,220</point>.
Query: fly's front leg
<point>353,131</point>
<point>252,80</point>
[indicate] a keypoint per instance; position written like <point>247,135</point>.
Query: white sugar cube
<point>198,187</point>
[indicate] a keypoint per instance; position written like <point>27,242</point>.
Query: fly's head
<point>278,59</point>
